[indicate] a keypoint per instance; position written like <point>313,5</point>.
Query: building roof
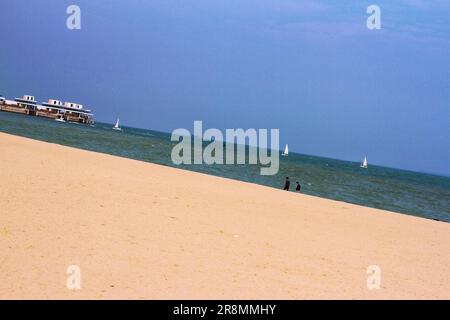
<point>28,102</point>
<point>52,106</point>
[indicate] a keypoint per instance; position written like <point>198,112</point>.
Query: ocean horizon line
<point>437,174</point>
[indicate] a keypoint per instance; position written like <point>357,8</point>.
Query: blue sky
<point>310,68</point>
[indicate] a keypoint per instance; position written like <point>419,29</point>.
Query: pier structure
<point>53,109</point>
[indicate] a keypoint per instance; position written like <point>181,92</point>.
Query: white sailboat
<point>117,125</point>
<point>286,151</point>
<point>60,119</point>
<point>364,163</point>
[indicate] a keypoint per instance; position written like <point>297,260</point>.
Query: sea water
<point>408,192</point>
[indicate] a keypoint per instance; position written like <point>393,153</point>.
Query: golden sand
<point>143,231</point>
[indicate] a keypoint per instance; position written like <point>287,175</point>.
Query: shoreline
<point>138,230</point>
<point>417,215</point>
<point>408,192</point>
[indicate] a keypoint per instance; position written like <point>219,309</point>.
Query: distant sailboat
<point>364,164</point>
<point>60,119</point>
<point>117,125</point>
<point>286,151</point>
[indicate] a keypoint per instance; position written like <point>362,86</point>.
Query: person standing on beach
<point>298,187</point>
<point>287,183</point>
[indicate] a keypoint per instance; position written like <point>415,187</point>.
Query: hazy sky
<point>310,68</point>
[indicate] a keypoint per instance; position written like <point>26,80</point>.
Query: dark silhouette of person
<point>287,183</point>
<point>298,187</point>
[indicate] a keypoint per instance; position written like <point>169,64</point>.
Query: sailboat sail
<point>364,164</point>
<point>286,150</point>
<point>117,125</point>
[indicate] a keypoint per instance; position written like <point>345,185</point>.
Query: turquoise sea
<point>408,192</point>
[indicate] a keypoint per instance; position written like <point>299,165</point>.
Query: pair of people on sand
<point>287,184</point>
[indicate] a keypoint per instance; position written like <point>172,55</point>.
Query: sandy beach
<point>144,231</point>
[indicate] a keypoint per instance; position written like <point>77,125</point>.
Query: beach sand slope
<point>144,231</point>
